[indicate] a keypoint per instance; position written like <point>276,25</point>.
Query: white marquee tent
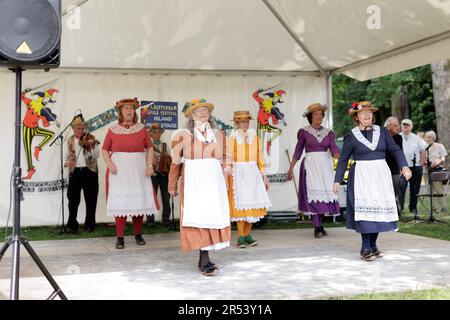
<point>223,50</point>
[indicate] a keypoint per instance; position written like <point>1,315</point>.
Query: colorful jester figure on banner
<point>268,110</point>
<point>37,110</point>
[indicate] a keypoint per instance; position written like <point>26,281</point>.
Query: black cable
<point>10,202</point>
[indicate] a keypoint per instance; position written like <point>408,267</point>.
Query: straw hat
<point>194,105</point>
<point>78,121</point>
<point>242,116</point>
<point>155,126</point>
<point>132,102</point>
<point>314,107</point>
<point>360,106</point>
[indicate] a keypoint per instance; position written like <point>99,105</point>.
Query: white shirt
<point>81,161</point>
<point>412,146</point>
<point>436,152</point>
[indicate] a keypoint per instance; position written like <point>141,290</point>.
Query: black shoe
<point>322,230</point>
<point>377,253</point>
<point>367,255</point>
<point>150,220</point>
<point>200,264</point>
<point>139,240</point>
<point>120,244</point>
<point>166,224</point>
<point>209,269</point>
<point>317,232</point>
<point>70,230</point>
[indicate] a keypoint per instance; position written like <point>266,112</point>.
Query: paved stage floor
<point>287,264</point>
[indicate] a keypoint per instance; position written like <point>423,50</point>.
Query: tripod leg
<point>43,269</point>
<point>14,294</point>
<point>5,248</point>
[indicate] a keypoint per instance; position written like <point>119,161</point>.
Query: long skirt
<point>316,185</point>
<point>130,191</point>
<point>371,206</point>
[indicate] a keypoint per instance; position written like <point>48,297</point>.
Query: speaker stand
<point>16,240</point>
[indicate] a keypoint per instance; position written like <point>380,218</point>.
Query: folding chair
<point>440,176</point>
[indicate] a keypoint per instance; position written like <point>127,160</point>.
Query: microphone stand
<point>61,141</point>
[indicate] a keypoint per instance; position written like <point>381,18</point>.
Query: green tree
<point>413,87</point>
<point>345,91</point>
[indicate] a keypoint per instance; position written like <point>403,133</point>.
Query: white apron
<point>205,195</point>
<point>319,177</point>
<point>248,187</point>
<point>130,190</point>
<point>374,192</point>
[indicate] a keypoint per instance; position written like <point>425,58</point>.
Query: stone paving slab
<point>287,264</point>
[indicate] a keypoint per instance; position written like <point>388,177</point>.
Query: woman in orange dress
<point>247,185</point>
<point>199,158</point>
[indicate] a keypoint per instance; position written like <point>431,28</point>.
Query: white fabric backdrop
<point>94,93</point>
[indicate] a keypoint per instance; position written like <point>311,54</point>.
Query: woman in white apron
<point>247,193</point>
<point>371,206</point>
<point>128,153</point>
<point>315,196</point>
<point>199,158</point>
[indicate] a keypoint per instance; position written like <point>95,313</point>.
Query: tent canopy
<point>254,36</point>
<point>223,50</point>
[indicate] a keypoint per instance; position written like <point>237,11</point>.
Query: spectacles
<point>199,110</point>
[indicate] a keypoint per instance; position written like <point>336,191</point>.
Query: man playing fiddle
<point>82,154</point>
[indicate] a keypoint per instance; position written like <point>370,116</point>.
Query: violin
<point>84,141</point>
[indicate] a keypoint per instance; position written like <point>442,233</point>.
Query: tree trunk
<point>400,107</point>
<point>441,93</point>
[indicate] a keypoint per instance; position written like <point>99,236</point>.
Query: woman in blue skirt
<point>371,206</point>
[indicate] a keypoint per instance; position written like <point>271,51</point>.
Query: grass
<point>109,230</point>
<point>102,230</point>
<point>277,225</point>
<point>431,230</point>
<point>428,294</point>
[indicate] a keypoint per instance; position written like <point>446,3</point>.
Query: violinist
<point>82,156</point>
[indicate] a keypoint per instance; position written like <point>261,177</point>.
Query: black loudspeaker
<point>30,33</point>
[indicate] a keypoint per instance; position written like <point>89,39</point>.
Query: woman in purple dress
<point>371,206</point>
<point>316,195</point>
